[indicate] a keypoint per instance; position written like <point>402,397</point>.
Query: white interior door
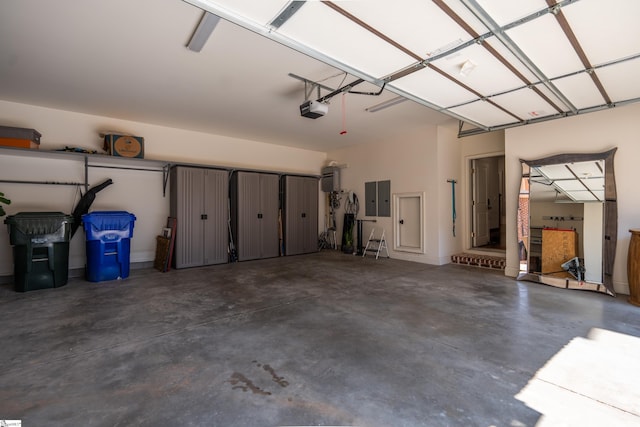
<point>480,202</point>
<point>408,225</point>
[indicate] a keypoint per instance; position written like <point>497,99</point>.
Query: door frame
<point>479,208</point>
<point>396,222</point>
<point>468,197</point>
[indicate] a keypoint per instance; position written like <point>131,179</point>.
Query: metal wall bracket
<point>165,178</point>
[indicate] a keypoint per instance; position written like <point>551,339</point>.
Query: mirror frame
<point>610,226</point>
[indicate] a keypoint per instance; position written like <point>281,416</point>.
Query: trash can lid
<point>108,220</point>
<point>47,216</point>
<point>109,214</point>
<point>38,223</point>
<point>100,216</point>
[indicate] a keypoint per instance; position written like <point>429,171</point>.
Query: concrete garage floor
<point>320,339</point>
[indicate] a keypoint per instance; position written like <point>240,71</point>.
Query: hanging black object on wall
<point>85,203</point>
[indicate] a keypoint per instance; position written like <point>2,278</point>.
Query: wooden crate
<point>558,247</point>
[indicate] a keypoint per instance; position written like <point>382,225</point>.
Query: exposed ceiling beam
<point>566,28</point>
<point>369,28</point>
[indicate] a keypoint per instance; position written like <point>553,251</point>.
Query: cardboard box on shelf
<point>124,145</point>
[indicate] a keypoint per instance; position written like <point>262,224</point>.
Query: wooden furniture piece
<point>164,246</point>
<point>633,267</point>
<point>558,247</point>
<point>199,202</point>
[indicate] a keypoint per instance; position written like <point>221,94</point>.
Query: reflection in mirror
<point>567,221</point>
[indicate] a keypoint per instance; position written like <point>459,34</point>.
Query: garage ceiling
<point>491,64</point>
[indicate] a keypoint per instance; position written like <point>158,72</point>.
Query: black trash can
<point>40,249</point>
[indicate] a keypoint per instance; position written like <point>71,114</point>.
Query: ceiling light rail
<point>386,104</point>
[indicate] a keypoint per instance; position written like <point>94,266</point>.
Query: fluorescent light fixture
<point>204,30</point>
<point>286,13</point>
<point>386,104</point>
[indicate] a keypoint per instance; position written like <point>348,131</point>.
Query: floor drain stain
<point>240,382</point>
<point>278,380</point>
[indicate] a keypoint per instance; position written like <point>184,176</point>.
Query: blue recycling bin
<point>108,236</point>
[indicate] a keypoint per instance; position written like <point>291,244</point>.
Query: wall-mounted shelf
<point>90,161</point>
<point>93,158</point>
<point>121,163</point>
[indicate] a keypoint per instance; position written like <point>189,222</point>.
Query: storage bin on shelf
<point>19,137</point>
<point>108,245</point>
<point>40,249</point>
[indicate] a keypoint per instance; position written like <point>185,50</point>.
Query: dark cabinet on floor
<point>300,214</point>
<point>199,201</point>
<point>254,213</point>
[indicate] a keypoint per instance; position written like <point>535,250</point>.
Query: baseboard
<point>621,287</point>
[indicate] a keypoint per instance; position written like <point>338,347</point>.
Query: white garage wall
<point>422,162</point>
<point>134,191</point>
<point>409,163</point>
<point>448,167</point>
<point>594,132</point>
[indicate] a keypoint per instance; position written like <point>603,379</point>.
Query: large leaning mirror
<point>568,221</point>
